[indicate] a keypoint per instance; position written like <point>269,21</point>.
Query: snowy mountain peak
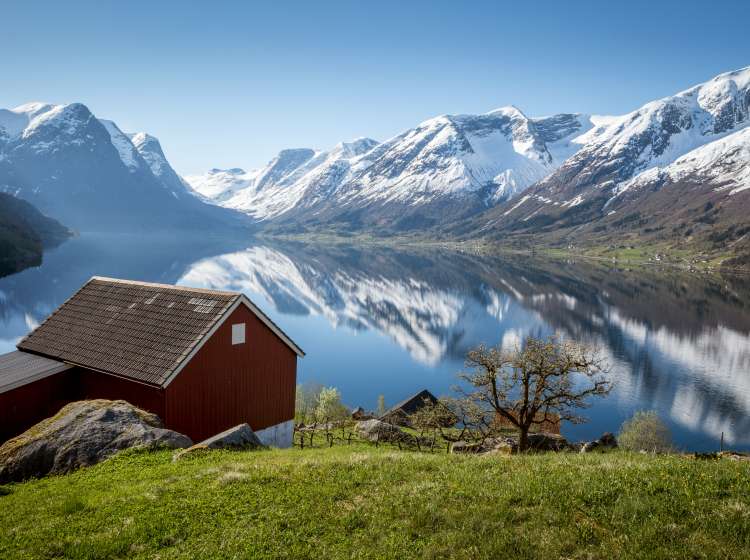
<point>123,145</point>
<point>90,175</point>
<point>66,119</point>
<point>508,111</point>
<point>150,150</point>
<point>354,148</point>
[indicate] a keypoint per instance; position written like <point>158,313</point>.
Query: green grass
<point>363,502</point>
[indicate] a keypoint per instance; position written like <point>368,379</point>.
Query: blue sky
<point>227,84</point>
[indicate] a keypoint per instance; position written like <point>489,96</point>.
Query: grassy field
<point>362,502</point>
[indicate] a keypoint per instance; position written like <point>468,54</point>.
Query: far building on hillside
<point>399,414</point>
<point>203,360</point>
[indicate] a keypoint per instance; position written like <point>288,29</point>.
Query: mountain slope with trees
<point>24,234</point>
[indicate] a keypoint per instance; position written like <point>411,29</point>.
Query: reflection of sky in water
<point>378,321</point>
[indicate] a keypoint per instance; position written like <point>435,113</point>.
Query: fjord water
<point>376,320</point>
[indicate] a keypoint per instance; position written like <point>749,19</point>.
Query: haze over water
<point>385,321</point>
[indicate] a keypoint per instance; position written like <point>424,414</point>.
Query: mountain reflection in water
<point>378,320</point>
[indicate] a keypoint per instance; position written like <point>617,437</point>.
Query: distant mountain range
<point>676,170</point>
<point>455,164</point>
<point>88,174</point>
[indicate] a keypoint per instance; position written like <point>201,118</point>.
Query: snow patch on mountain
<point>62,120</point>
<point>724,163</point>
<point>150,150</point>
<point>219,185</point>
<point>123,145</point>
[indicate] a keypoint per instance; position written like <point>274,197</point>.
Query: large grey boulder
<point>83,433</point>
<point>377,430</point>
<point>500,445</point>
<point>543,441</point>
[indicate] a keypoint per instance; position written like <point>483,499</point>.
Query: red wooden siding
<point>95,385</point>
<point>24,406</point>
<point>224,384</point>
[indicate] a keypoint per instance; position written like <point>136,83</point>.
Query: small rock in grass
<point>377,430</point>
<point>238,437</point>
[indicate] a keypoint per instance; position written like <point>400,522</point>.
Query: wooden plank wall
<point>24,406</point>
<point>225,385</point>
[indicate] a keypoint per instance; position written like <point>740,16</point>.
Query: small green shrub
<point>645,432</point>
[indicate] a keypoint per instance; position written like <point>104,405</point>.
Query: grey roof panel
<point>20,368</point>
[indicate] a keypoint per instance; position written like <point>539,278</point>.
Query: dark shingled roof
<point>137,330</point>
<point>413,403</point>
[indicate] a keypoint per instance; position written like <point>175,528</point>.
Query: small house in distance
<point>399,414</point>
<point>203,360</point>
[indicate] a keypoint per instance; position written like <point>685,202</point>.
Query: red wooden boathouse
<point>203,360</point>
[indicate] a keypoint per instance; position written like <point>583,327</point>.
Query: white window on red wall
<point>238,333</point>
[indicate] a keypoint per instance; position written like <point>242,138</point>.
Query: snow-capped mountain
<point>498,154</point>
<point>495,174</point>
<point>696,135</point>
<point>723,164</point>
<point>89,174</point>
<point>149,148</point>
<point>295,178</point>
<point>467,161</point>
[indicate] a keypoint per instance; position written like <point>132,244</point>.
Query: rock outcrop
<point>548,442</point>
<point>377,430</point>
<point>606,441</point>
<point>83,433</point>
<point>238,437</point>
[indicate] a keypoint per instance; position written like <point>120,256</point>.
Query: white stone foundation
<point>279,435</point>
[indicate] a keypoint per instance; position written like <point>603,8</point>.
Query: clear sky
<point>229,84</point>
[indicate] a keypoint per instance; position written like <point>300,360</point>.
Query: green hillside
<point>365,502</point>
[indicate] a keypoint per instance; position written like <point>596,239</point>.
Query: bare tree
<point>544,380</point>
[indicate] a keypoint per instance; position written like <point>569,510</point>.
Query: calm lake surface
<point>385,321</point>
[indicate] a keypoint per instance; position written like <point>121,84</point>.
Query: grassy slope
<point>362,502</point>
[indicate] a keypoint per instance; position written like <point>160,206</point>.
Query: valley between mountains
<point>667,181</point>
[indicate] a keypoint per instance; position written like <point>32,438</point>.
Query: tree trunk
<point>523,439</point>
